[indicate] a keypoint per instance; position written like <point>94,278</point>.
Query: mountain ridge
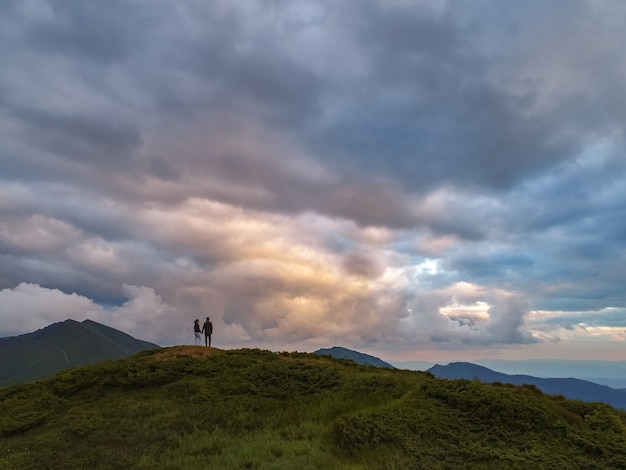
<point>603,372</point>
<point>62,345</point>
<point>572,388</point>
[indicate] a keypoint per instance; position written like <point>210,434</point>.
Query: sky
<point>418,180</point>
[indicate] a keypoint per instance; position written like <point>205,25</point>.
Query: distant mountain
<point>359,358</point>
<point>568,387</point>
<point>610,373</point>
<point>60,346</point>
<point>618,384</point>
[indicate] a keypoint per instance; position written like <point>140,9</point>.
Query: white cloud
<point>29,307</point>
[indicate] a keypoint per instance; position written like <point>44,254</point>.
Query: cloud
<point>29,307</point>
<point>81,137</point>
<point>409,175</point>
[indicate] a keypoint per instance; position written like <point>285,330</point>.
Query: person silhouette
<point>207,329</point>
<point>197,331</point>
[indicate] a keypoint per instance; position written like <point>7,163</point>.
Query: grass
<point>195,407</point>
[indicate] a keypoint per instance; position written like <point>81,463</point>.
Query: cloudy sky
<point>420,180</point>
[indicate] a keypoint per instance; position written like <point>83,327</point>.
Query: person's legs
<point>209,340</point>
<point>206,340</point>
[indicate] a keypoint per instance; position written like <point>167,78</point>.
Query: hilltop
<point>60,346</point>
<point>195,407</point>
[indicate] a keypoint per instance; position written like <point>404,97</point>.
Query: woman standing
<point>197,331</point>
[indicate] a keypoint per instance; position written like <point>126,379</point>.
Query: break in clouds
<point>386,175</point>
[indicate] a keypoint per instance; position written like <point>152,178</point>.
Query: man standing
<point>207,329</point>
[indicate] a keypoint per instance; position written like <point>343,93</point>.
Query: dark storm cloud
<point>284,90</point>
<point>89,31</point>
<point>82,138</point>
<point>426,110</point>
<point>452,120</point>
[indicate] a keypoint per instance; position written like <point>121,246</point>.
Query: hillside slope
<point>576,389</point>
<point>60,346</point>
<point>194,407</point>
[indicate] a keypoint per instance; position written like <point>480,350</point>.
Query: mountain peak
<point>61,345</point>
<point>358,357</point>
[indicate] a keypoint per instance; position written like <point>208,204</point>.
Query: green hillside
<point>194,407</point>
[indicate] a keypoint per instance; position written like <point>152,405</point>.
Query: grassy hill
<point>194,407</point>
